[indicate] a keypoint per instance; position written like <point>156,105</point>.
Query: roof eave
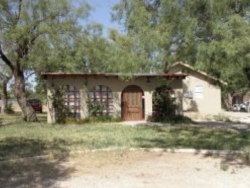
<point>59,74</point>
<point>199,71</point>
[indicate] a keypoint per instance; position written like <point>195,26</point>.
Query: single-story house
<point>201,92</point>
<point>130,99</point>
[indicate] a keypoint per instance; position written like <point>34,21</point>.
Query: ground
<point>243,117</point>
<point>172,170</point>
<point>137,169</point>
<point>68,162</point>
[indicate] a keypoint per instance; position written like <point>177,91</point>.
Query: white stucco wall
<point>85,84</point>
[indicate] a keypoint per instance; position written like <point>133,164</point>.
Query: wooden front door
<point>132,104</point>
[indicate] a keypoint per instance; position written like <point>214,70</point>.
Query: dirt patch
<point>122,169</point>
<point>146,169</point>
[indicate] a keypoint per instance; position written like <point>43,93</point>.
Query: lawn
<point>24,140</point>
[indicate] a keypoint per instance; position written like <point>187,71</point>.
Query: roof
<point>63,74</point>
<point>198,71</point>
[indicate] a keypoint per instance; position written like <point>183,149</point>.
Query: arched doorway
<point>132,103</point>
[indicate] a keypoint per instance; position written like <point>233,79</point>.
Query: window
<point>198,92</point>
<point>72,100</point>
<point>102,96</point>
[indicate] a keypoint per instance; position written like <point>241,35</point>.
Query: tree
<point>33,35</point>
<point>114,54</point>
<point>208,34</point>
<point>5,76</point>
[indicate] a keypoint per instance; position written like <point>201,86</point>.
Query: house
<point>130,99</point>
<point>201,92</point>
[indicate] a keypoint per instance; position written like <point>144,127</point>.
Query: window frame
<point>72,100</point>
<point>102,93</point>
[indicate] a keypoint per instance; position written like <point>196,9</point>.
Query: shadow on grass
<point>39,173</point>
<point>194,137</point>
<point>199,138</point>
<point>32,172</point>
<point>18,147</point>
<point>176,119</point>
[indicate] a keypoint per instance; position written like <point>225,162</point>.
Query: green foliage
<point>58,103</point>
<point>38,36</point>
<point>9,109</point>
<point>34,95</point>
<point>210,35</point>
<point>164,106</point>
<point>116,53</point>
<point>46,29</point>
<point>95,108</point>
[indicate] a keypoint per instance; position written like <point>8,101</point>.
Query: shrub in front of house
<point>58,103</point>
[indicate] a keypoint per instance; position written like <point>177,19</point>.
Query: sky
<point>102,13</point>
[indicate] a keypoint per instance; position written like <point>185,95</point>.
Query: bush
<point>61,111</point>
<point>95,108</point>
<point>164,106</point>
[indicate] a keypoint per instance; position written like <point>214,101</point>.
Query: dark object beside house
<point>36,104</point>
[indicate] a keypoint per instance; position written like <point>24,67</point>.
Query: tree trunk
<point>27,112</point>
<point>227,99</point>
<point>4,95</point>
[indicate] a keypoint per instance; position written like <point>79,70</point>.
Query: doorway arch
<point>132,103</point>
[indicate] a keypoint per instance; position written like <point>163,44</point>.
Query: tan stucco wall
<point>116,85</point>
<point>210,101</point>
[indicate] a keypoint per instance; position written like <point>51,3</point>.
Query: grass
<point>19,139</point>
<point>6,119</point>
<point>25,140</point>
<point>98,119</point>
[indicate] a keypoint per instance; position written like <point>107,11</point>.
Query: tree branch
<point>19,10</point>
<point>29,75</point>
<point>5,59</point>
